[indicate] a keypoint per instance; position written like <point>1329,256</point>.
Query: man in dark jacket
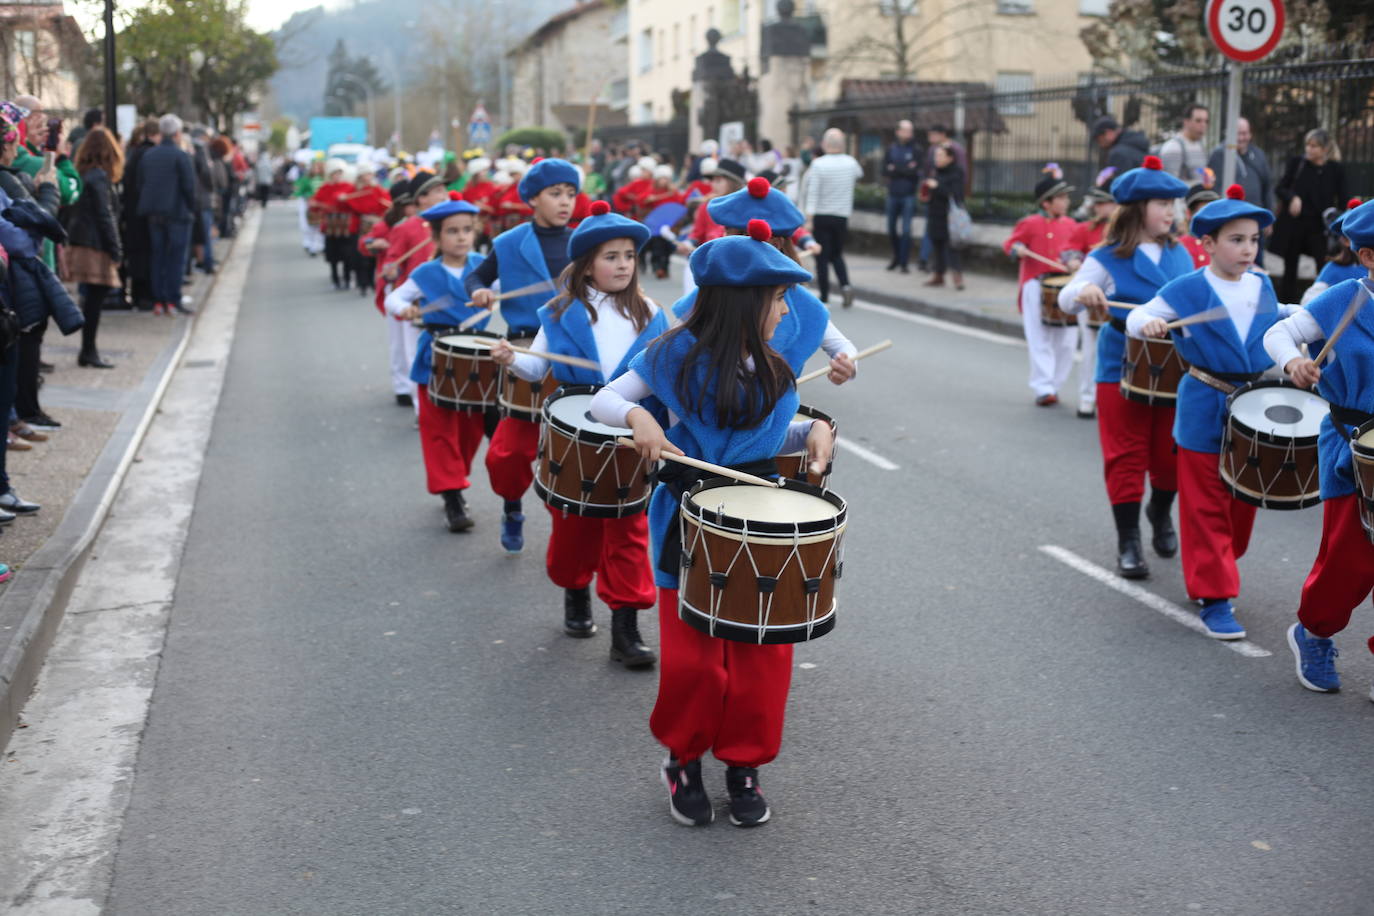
<point>1126,149</point>
<point>137,248</point>
<point>902,169</point>
<point>202,228</point>
<point>167,199</point>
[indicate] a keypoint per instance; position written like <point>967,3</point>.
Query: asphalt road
<point>358,712</point>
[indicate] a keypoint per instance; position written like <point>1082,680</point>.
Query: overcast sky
<point>263,15</point>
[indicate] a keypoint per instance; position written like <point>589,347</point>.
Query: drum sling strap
<point>1225,382</point>
<point>679,478</point>
<point>1349,416</point>
<point>1118,324</point>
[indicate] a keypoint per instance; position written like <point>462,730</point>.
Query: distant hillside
<point>404,37</point>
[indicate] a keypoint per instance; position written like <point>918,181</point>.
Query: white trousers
<point>1051,349</point>
<point>401,340</point>
<point>312,239</point>
<point>1087,366</point>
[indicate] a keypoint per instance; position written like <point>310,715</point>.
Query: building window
<point>26,46</point>
<point>677,40</point>
<point>1093,7</point>
<point>1016,7</point>
<point>898,8</point>
<point>620,93</point>
<point>692,35</point>
<point>646,50</point>
<point>1009,84</point>
<point>661,56</point>
<point>646,113</point>
<point>620,24</point>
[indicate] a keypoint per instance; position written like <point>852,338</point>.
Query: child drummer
<point>1343,575</point>
<point>448,438</point>
<point>731,400</point>
<point>522,257</point>
<point>600,314</point>
<point>1048,234</point>
<point>409,244</point>
<point>1087,235</point>
<point>1222,355</point>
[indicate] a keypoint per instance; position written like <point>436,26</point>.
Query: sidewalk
<point>987,301</point>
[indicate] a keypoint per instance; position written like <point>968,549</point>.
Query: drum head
<point>572,410</point>
<point>1280,411</point>
<point>765,504</point>
<point>465,342</point>
<point>1057,281</point>
<point>1364,437</point>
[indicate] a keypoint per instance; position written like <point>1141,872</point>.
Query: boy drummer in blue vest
<point>731,400</point>
<point>602,315</point>
<point>448,438</point>
<point>1343,575</point>
<point>521,257</point>
<point>1214,526</point>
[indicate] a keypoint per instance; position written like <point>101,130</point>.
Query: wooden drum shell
<point>1151,371</point>
<point>463,378</point>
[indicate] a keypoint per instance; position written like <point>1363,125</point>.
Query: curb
<point>35,600</point>
<point>942,312</point>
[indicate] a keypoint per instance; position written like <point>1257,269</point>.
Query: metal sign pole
<point>1233,87</point>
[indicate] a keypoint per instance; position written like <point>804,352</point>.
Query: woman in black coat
<point>94,251</point>
<point>945,189</point>
<point>138,255</point>
<point>1311,183</point>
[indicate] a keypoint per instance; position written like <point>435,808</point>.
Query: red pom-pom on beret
<point>1152,162</point>
<point>600,208</point>
<point>536,160</point>
<point>1235,192</point>
<point>454,195</point>
<point>759,230</point>
<point>759,187</point>
<point>1352,203</point>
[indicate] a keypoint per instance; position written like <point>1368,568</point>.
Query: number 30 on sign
<point>1245,30</point>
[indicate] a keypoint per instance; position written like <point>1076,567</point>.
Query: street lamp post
<point>110,121</point>
<point>367,96</point>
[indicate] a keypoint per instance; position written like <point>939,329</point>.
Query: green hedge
<point>543,137</point>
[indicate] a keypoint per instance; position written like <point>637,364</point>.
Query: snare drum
<point>1096,316</point>
<point>760,564</point>
<point>794,465</point>
<point>581,469</point>
<point>1269,452</point>
<point>1050,312</point>
<point>1151,371</point>
<point>1362,446</point>
<point>521,399</point>
<point>464,376</point>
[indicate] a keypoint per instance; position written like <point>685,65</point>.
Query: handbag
<point>960,225</point>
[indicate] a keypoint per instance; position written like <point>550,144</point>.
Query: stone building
<point>558,69</point>
<point>41,48</point>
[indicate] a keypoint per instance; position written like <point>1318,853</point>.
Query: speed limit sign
<point>1245,30</point>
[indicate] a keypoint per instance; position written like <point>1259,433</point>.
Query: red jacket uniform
<point>329,199</point>
<point>406,248</point>
<point>1088,235</point>
<point>1044,236</point>
<point>704,229</point>
<point>626,198</point>
<point>380,231</point>
<point>1194,246</point>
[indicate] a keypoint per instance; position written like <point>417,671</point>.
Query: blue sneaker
<point>1220,620</point>
<point>513,531</point>
<point>1316,660</point>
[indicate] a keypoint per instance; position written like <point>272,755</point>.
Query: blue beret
<point>1358,225</point>
<point>545,174</point>
<point>1220,212</point>
<point>757,201</point>
<point>745,260</point>
<point>602,226</point>
<point>1149,182</point>
<point>440,212</point>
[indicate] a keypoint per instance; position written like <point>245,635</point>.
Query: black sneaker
<point>687,800</point>
<point>41,421</point>
<point>747,805</point>
<point>455,511</point>
<point>404,400</point>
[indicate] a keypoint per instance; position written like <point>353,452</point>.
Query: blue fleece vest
<point>520,261</point>
<point>1137,280</point>
<point>1347,381</point>
<point>797,336</point>
<point>436,282</point>
<point>570,334</point>
<point>1215,346</point>
<point>1333,273</point>
<point>699,436</point>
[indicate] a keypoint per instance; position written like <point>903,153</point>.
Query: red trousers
<point>448,439</point>
<point>1136,439</point>
<point>717,695</point>
<point>1343,575</point>
<point>510,457</point>
<point>1213,527</point>
<point>615,550</point>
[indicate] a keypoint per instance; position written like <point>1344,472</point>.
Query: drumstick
<point>1047,261</point>
<point>1215,314</point>
<point>708,466</point>
<point>1114,305</point>
<point>406,256</point>
<point>558,357</point>
<point>817,373</point>
<point>1351,311</point>
<point>543,286</point>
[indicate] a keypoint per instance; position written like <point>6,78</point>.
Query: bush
<point>541,137</point>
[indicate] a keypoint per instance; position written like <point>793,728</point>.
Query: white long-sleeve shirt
<point>1241,298</point>
<point>1283,342</point>
<point>828,186</point>
<point>1092,271</point>
<point>612,331</point>
<point>613,403</point>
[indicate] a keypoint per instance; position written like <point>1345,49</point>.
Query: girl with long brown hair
<point>95,249</point>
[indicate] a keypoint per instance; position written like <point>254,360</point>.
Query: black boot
<point>577,612</point>
<point>1130,555</point>
<point>1165,538</point>
<point>456,511</point>
<point>626,645</point>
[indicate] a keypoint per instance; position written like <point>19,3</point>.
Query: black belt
<point>517,333</point>
<point>1225,382</point>
<point>1349,416</point>
<point>1118,324</point>
<point>439,330</point>
<point>679,478</point>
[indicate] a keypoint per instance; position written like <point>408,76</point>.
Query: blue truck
<point>327,132</point>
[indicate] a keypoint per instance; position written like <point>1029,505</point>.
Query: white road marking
<point>952,327</point>
<point>872,458</point>
<point>1148,598</point>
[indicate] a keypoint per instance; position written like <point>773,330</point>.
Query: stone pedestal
<point>782,86</point>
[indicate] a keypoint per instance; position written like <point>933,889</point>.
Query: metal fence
<point>1010,136</point>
